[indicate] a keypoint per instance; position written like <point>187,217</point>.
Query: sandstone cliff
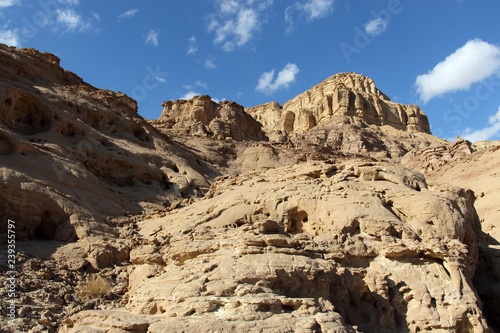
<point>364,247</point>
<point>202,116</point>
<point>73,157</point>
<point>480,171</point>
<point>331,213</point>
<point>344,94</point>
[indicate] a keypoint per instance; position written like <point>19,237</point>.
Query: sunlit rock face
<point>330,213</point>
<point>344,94</point>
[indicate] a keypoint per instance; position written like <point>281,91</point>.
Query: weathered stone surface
<point>437,156</point>
<point>299,218</point>
<point>353,136</point>
<point>344,94</point>
<point>202,116</point>
<point>73,156</point>
<point>481,173</point>
<point>374,244</point>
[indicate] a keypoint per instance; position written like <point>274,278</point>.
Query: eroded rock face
<point>437,156</point>
<point>202,116</point>
<point>73,156</point>
<point>295,219</point>
<point>368,247</point>
<point>353,136</point>
<point>344,94</point>
<point>480,172</point>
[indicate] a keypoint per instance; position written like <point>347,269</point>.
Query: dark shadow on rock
<point>487,280</point>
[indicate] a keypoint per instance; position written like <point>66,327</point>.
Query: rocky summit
<point>338,211</point>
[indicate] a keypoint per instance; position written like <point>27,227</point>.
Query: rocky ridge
<point>327,214</point>
<point>200,115</point>
<point>344,94</point>
<point>75,157</point>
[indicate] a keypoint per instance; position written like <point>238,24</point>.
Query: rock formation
<point>336,212</point>
<point>480,171</point>
<point>74,157</point>
<point>371,247</point>
<point>202,116</point>
<point>344,94</point>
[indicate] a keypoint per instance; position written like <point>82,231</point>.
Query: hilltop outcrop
<point>347,113</point>
<point>344,94</point>
<point>202,116</point>
<point>330,213</point>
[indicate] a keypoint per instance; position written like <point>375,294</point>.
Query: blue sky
<point>443,55</point>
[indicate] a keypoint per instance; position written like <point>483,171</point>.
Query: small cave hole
<point>141,134</point>
<point>175,168</point>
<point>297,222</point>
<point>332,172</point>
<point>166,183</point>
<point>47,228</point>
<point>433,302</point>
<point>263,308</point>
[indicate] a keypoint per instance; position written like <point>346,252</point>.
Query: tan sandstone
<point>336,212</point>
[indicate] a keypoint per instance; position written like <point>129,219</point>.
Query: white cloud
<point>192,48</point>
<point>218,100</point>
<point>152,38</point>
<point>190,94</point>
<point>229,6</point>
<point>8,3</point>
<point>376,26</point>
<point>192,89</point>
<point>486,133</point>
<point>473,62</point>
<point>285,77</point>
<point>200,84</point>
<point>209,63</point>
<point>310,10</point>
<point>128,13</point>
<point>237,22</point>
<point>10,37</point>
<point>70,20</point>
<point>58,16</point>
<point>69,2</point>
<point>316,9</point>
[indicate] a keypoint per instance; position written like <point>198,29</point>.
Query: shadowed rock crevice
<point>24,113</point>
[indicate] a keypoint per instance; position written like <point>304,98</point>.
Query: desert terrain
<point>337,211</point>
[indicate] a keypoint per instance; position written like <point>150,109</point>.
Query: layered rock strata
<point>73,157</point>
<point>298,218</point>
<point>344,94</point>
<point>204,117</point>
<point>364,247</point>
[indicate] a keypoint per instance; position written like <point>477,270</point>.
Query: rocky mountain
<point>346,95</point>
<point>74,157</point>
<point>336,212</point>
